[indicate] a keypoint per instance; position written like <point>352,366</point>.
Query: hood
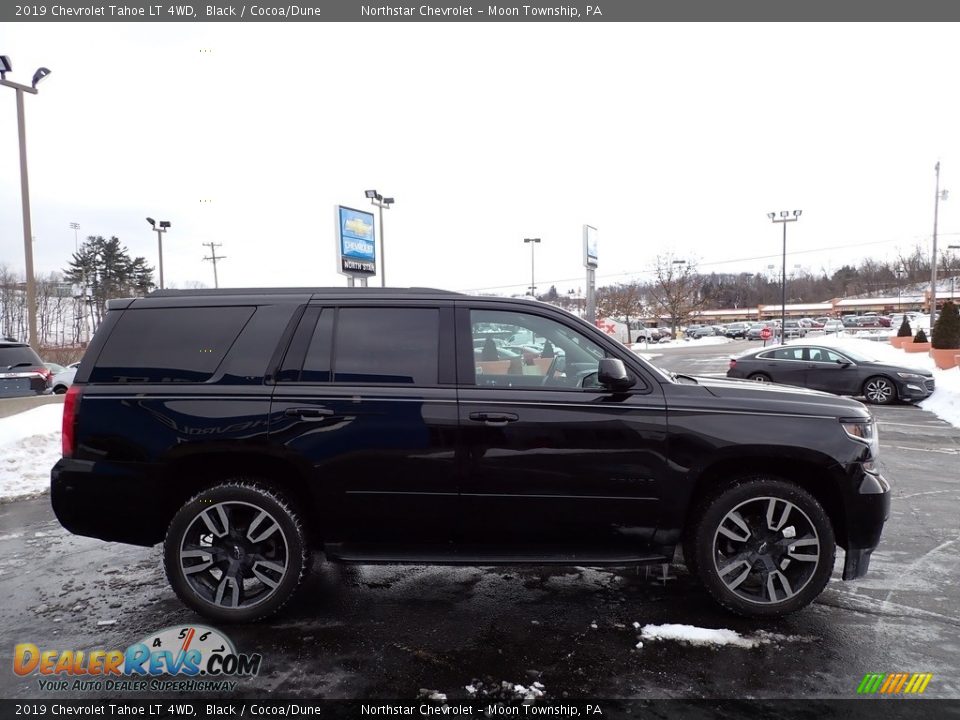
<point>886,367</point>
<point>770,397</point>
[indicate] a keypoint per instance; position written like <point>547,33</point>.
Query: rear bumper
<point>119,502</point>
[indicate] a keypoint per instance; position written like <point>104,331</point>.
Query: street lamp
<point>159,228</point>
<point>40,74</point>
<point>377,200</point>
<point>938,196</point>
<point>899,273</point>
<point>784,218</point>
<point>533,242</point>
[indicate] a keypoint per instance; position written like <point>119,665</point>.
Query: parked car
<point>755,331</point>
<point>867,321</point>
<point>245,429</point>
<point>793,328</point>
<point>833,326</point>
<point>737,330</point>
<point>22,372</point>
<point>843,372</point>
<point>701,331</point>
<point>823,320</point>
<point>54,368</point>
<point>62,381</point>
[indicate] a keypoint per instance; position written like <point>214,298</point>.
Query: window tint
<point>387,345</point>
<point>16,354</point>
<point>316,365</point>
<point>528,351</point>
<point>169,344</point>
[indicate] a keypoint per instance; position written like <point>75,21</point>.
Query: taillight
<point>43,372</point>
<point>71,406</point>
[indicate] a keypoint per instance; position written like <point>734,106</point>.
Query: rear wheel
<point>762,547</point>
<point>759,377</point>
<point>236,552</point>
<point>879,390</point>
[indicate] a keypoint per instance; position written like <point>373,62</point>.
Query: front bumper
<point>867,511</point>
<point>916,389</point>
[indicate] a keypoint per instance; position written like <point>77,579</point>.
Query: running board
<point>434,555</point>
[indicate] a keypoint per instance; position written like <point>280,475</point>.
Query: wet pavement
<point>401,631</point>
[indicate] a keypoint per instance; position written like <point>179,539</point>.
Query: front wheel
<point>879,390</point>
<point>759,377</point>
<point>236,552</point>
<point>762,547</point>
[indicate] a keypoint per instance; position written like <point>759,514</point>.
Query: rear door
<point>784,365</point>
<point>552,466</point>
<point>366,400</point>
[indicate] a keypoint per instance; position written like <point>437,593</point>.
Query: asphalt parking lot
<point>398,631</point>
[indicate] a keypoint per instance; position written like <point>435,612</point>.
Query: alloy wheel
<point>234,555</point>
<point>766,550</point>
<point>879,390</point>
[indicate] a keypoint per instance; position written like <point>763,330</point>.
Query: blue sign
<point>358,248</point>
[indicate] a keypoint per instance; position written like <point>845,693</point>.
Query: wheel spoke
<point>228,582</point>
<point>221,518</point>
<point>270,528</point>
<point>258,572</point>
<point>729,569</point>
<point>739,523</point>
<point>773,579</point>
<point>792,551</point>
<point>776,524</point>
<point>205,557</point>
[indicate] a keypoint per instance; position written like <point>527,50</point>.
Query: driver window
<point>519,350</point>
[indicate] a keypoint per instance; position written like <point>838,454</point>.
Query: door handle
<point>494,419</point>
<point>312,414</point>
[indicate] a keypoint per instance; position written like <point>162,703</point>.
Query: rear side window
<point>385,345</point>
<point>159,345</point>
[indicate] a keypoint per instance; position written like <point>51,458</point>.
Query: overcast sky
<point>668,138</point>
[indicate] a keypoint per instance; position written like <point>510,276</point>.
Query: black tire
<point>60,390</point>
<point>757,593</point>
<point>269,568</point>
<point>879,390</point>
<point>759,377</point>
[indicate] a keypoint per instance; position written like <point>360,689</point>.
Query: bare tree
<point>624,300</point>
<point>675,291</point>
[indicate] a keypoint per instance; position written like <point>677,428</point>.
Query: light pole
<point>899,273</point>
<point>160,228</point>
<point>76,236</point>
<point>938,196</point>
<point>40,74</point>
<point>784,218</point>
<point>377,200</point>
<point>533,287</point>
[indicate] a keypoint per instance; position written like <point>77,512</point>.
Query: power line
<point>709,264</point>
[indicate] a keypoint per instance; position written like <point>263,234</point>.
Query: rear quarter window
<point>167,345</point>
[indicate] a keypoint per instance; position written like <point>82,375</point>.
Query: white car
<point>833,326</point>
<point>63,380</point>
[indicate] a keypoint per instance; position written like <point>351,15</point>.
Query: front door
<point>551,460</point>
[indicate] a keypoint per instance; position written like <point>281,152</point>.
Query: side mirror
<point>844,363</point>
<point>613,375</point>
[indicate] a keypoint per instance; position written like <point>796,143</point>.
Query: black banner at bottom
<point>856,709</point>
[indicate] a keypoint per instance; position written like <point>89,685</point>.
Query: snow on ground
<point>710,340</point>
<point>708,636</point>
<point>29,447</point>
<point>945,401</point>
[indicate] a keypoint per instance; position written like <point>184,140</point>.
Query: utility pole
<point>784,219</point>
<point>214,257</point>
<point>160,230</point>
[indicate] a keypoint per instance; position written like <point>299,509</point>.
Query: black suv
<point>246,428</point>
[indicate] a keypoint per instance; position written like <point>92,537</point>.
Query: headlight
<point>910,376</point>
<point>864,431</point>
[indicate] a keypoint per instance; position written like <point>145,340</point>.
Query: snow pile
<point>29,447</point>
<point>708,636</point>
<point>945,401</point>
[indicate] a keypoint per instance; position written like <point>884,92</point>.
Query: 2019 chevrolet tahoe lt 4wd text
<point>245,429</point>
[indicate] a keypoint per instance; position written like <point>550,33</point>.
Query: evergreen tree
<point>106,271</point>
<point>946,331</point>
